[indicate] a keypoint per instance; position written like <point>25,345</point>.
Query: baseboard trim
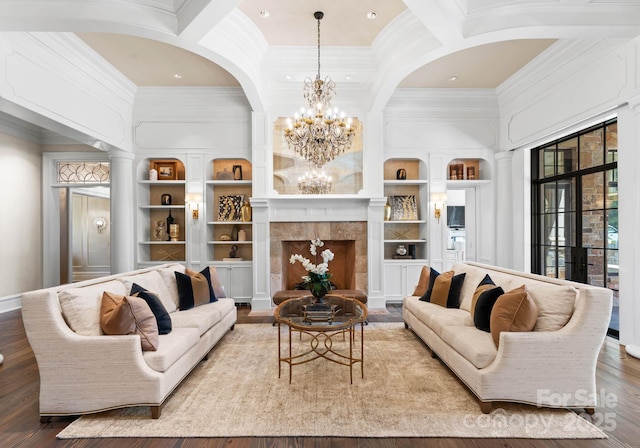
<point>10,303</point>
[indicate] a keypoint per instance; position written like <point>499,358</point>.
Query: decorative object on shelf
<point>242,235</point>
<point>237,172</point>
<point>412,250</point>
<point>230,208</point>
<point>224,175</point>
<point>170,221</point>
<point>404,207</point>
<point>319,134</point>
<point>234,233</point>
<point>471,173</point>
<point>401,249</point>
<point>153,174</point>
<point>167,170</point>
<point>233,252</point>
<point>245,212</point>
<point>401,174</point>
<point>439,200</point>
<point>100,224</point>
<point>456,171</point>
<point>174,232</point>
<point>225,237</point>
<point>387,211</point>
<point>315,183</point>
<point>165,199</point>
<point>317,281</point>
<point>160,232</point>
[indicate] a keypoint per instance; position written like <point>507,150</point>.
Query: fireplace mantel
<point>302,208</point>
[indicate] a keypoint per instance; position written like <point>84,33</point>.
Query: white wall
<point>20,219</point>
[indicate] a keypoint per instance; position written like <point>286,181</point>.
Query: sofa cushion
<point>151,281</point>
<point>435,316</point>
<point>169,277</point>
<point>474,276</point>
<point>157,308</point>
<point>513,311</point>
<point>485,284</point>
<point>474,345</point>
<point>444,289</point>
<point>171,348</point>
<point>555,303</point>
<point>216,284</point>
<point>483,307</point>
<point>201,317</point>
<point>124,315</point>
<point>194,289</point>
<point>423,282</point>
<point>81,306</point>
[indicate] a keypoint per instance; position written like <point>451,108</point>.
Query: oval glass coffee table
<point>337,316</point>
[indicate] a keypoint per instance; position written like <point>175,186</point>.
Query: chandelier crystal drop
<point>319,133</point>
<point>316,182</point>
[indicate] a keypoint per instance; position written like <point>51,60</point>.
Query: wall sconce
<point>100,224</point>
<point>438,199</point>
<point>193,200</point>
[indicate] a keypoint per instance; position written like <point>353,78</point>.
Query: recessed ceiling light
<point>289,77</point>
<point>348,77</point>
<point>177,75</point>
<point>453,78</point>
<point>264,13</point>
<point>372,15</point>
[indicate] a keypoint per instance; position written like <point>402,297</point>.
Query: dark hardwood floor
<point>618,377</point>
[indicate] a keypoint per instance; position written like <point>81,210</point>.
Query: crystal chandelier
<point>319,134</point>
<point>316,182</point>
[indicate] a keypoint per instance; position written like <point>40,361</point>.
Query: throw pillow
<point>423,282</point>
<point>444,289</point>
<point>123,315</point>
<point>485,284</point>
<point>207,274</point>
<point>484,305</point>
<point>157,308</point>
<point>193,290</point>
<point>513,311</point>
<point>216,284</point>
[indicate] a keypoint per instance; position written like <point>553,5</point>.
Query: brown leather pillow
<point>423,282</point>
<point>194,289</point>
<point>122,315</point>
<point>513,311</point>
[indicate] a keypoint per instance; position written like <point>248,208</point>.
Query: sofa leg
<point>156,411</point>
<point>434,355</point>
<point>406,326</point>
<point>486,407</point>
<point>590,411</point>
<point>45,419</point>
<point>233,327</point>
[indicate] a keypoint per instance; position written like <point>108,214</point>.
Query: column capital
<point>119,154</point>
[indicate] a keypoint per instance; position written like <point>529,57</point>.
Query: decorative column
<point>375,253</point>
<point>628,219</point>
<point>261,255</point>
<point>122,212</point>
<point>505,208</point>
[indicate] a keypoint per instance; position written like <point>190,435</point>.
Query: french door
<point>575,209</point>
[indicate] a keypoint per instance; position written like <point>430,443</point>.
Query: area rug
<point>404,393</point>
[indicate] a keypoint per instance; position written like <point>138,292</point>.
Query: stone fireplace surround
<point>345,234</point>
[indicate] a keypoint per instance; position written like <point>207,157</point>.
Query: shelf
<point>406,260</point>
<point>408,221</point>
<point>229,242</point>
<point>405,241</point>
<point>213,223</point>
<point>161,243</point>
<point>160,207</point>
<point>467,183</point>
<point>406,182</point>
<point>229,182</point>
<point>162,182</point>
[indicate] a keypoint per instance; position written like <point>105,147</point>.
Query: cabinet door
<point>241,284</point>
<point>393,282</point>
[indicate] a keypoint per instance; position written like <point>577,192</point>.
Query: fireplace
<point>347,240</point>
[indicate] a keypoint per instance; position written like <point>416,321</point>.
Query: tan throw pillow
<point>423,282</point>
<point>513,311</point>
<point>123,315</point>
<point>444,289</point>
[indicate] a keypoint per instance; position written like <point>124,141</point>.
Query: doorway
<point>575,210</point>
<point>461,225</point>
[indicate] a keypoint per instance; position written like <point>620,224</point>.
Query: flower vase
<point>319,294</point>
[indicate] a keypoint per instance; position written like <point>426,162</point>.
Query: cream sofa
<point>554,365</point>
<point>83,371</point>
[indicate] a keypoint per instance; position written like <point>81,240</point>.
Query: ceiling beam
<point>197,17</point>
<point>443,21</point>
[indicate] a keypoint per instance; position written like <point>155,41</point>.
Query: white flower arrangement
<point>318,279</point>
